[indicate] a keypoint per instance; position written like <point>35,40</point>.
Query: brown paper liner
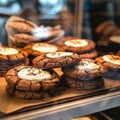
<point>10,104</point>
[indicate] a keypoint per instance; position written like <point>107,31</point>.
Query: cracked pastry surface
<point>24,94</point>
<point>84,70</point>
<point>84,84</point>
<point>27,78</point>
<point>56,59</point>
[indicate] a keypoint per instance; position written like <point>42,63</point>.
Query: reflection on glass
<point>51,6</point>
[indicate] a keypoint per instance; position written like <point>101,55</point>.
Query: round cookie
<point>12,54</point>
<point>28,95</point>
<point>36,49</point>
<point>86,69</point>
<point>84,84</point>
<point>20,40</point>
<point>11,57</point>
<point>19,25</point>
<point>112,63</point>
<point>56,59</point>
<point>28,78</point>
<point>76,44</point>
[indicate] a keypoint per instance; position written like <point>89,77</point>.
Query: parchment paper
<point>9,104</point>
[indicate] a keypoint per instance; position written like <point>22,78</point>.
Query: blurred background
<point>92,19</point>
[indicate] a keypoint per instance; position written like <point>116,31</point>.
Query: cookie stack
<point>21,32</point>
<point>27,82</point>
<point>85,48</point>
<point>56,60</point>
<point>112,63</point>
<point>10,57</point>
<point>37,49</point>
<point>85,75</point>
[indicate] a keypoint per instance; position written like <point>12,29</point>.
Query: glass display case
<point>90,19</point>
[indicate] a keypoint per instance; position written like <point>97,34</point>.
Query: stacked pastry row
<point>33,82</point>
<point>30,82</point>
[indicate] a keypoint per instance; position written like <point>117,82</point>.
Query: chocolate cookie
<point>112,63</point>
<point>5,66</point>
<point>12,54</point>
<point>86,69</point>
<point>24,94</point>
<point>36,49</point>
<point>20,25</point>
<point>76,44</point>
<point>28,78</point>
<point>84,84</point>
<point>56,59</point>
<point>11,57</point>
<point>20,40</point>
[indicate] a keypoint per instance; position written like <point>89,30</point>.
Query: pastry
<point>20,25</point>
<point>90,84</point>
<point>56,59</point>
<point>11,57</point>
<point>24,94</point>
<point>76,44</point>
<point>20,40</point>
<point>28,78</point>
<point>84,75</point>
<point>36,49</point>
<point>112,63</point>
<point>22,32</point>
<point>85,69</point>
